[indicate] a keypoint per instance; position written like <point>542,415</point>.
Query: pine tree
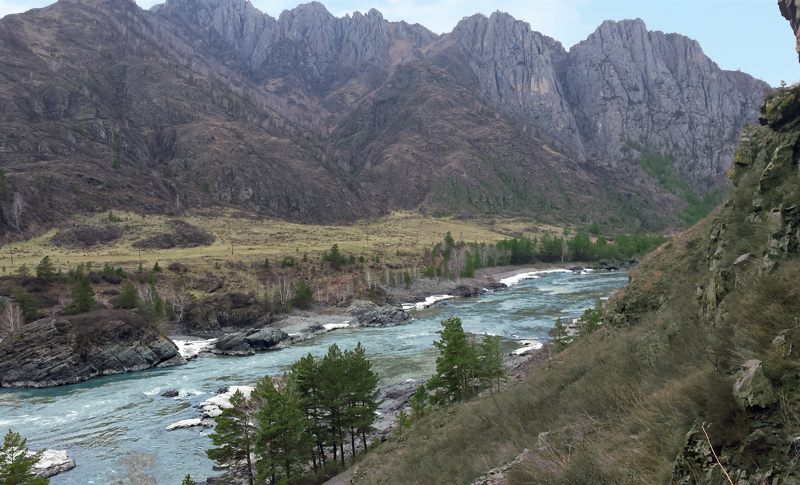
<point>331,370</point>
<point>127,300</point>
<point>82,297</point>
<point>28,305</point>
<point>187,480</point>
<point>45,270</point>
<point>234,436</point>
<point>16,462</point>
<point>418,401</point>
<point>361,394</point>
<point>455,365</point>
<point>491,362</point>
<point>559,336</point>
<point>303,296</point>
<point>282,444</point>
<point>305,375</point>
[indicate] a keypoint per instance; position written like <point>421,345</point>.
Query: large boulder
<point>752,388</point>
<point>369,314</point>
<point>67,350</point>
<point>247,343</point>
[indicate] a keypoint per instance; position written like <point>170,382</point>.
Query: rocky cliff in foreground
<point>68,350</point>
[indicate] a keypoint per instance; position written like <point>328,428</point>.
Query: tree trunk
<point>353,441</point>
<point>364,439</point>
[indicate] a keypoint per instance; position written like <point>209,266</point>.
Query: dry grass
<point>399,238</point>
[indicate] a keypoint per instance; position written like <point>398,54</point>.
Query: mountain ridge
<point>197,103</point>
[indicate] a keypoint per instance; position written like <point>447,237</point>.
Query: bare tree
<point>284,290</point>
<point>17,208</point>
<point>180,299</point>
<point>11,320</point>
<point>458,261</point>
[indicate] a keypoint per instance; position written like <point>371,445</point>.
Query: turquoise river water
<point>107,418</point>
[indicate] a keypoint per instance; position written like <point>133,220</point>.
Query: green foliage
<point>407,280</point>
<point>187,480</point>
<point>45,270</point>
<point>113,218</point>
<point>266,262</point>
<point>282,443</point>
<point>128,299</point>
<point>23,270</point>
<point>304,297</point>
<point>82,297</point>
<point>334,257</point>
<point>233,437</point>
<point>156,267</point>
<point>418,402</point>
<point>490,363</point>
<point>16,462</point>
<point>559,336</point>
<point>591,320</point>
<point>455,366</point>
<point>28,304</point>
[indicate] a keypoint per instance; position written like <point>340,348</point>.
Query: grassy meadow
<point>243,240</point>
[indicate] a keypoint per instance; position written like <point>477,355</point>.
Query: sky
<point>749,35</point>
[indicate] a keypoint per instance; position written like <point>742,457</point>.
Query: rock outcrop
<point>52,463</point>
<point>790,9</point>
<point>369,314</point>
<point>247,343</point>
<point>67,350</point>
<point>752,388</point>
<point>634,90</point>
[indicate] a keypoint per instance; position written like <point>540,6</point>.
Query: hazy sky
<point>749,35</point>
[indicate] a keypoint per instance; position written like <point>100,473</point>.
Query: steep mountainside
<point>322,119</point>
<point>691,376</point>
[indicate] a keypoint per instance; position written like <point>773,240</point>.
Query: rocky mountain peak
<point>790,9</point>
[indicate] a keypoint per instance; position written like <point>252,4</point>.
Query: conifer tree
<point>331,370</point>
<point>82,297</point>
<point>282,444</point>
<point>305,374</point>
<point>28,304</point>
<point>45,270</point>
<point>234,437</point>
<point>16,462</point>
<point>127,300</point>
<point>491,362</point>
<point>303,296</point>
<point>361,393</point>
<point>559,336</point>
<point>455,365</point>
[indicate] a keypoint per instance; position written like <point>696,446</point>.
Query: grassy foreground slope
<point>645,398</point>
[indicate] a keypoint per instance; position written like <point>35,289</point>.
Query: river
<point>107,418</point>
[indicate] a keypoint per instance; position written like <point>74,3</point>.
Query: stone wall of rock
<point>67,350</point>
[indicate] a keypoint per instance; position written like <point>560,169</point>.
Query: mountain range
<point>314,118</point>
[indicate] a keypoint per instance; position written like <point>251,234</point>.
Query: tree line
<point>462,259</point>
<point>307,416</point>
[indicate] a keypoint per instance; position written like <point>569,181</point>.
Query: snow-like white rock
<point>186,423</point>
<point>333,326</point>
<point>531,275</point>
<point>428,302</point>
<point>213,407</point>
<point>528,345</point>
<point>52,463</point>
<point>190,349</point>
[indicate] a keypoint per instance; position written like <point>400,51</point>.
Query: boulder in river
<point>247,343</point>
<point>66,350</point>
<point>52,463</point>
<point>369,314</point>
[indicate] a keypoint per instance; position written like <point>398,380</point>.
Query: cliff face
<point>634,90</point>
<point>68,350</point>
<point>201,103</point>
<point>514,68</point>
